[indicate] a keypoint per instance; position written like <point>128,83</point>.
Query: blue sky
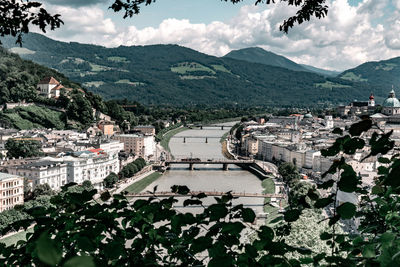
<point>355,31</point>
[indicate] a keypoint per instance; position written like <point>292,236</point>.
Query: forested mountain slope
<point>171,74</point>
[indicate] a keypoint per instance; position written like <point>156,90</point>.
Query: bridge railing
<point>195,159</point>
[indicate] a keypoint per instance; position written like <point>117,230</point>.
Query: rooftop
<point>5,176</point>
<point>49,80</point>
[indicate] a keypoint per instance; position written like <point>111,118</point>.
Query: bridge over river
<point>207,193</point>
<point>221,161</point>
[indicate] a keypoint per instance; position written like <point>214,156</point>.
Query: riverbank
<point>140,185</point>
<point>168,135</point>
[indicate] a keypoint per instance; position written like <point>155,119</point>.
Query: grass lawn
<point>142,184</point>
<point>13,239</point>
<point>223,138</point>
<point>165,139</point>
<point>273,212</point>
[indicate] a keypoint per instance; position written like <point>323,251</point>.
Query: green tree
<point>110,180</point>
<point>41,190</point>
<point>80,109</point>
<point>23,148</point>
<point>289,172</point>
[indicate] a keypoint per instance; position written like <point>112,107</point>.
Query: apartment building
<point>139,144</point>
<point>11,191</point>
<point>42,172</point>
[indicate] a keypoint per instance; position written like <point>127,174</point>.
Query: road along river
<point>208,177</point>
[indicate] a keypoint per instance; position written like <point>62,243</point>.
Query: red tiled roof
<point>49,80</point>
<point>58,87</point>
<point>97,150</point>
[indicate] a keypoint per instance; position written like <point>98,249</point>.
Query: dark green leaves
<point>358,128</point>
<point>292,215</point>
<point>80,261</point>
<point>348,179</point>
<point>180,189</point>
<point>346,210</point>
<point>248,215</point>
<point>47,250</point>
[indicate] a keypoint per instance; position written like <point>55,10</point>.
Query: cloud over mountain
<point>348,36</point>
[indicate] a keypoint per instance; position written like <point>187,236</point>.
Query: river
<point>208,177</point>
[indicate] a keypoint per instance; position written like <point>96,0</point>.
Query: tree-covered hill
<point>259,55</point>
<point>380,76</point>
<point>171,74</point>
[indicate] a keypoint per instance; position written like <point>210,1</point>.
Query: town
<point>69,156</point>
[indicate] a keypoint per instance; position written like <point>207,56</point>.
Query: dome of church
<point>391,101</point>
<point>308,116</point>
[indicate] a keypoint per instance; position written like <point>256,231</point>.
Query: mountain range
<point>176,75</point>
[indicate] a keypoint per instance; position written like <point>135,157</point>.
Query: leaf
<point>200,244</point>
<point>80,261</point>
<point>233,228</point>
<point>105,196</point>
<point>369,251</point>
<point>266,233</point>
<point>384,160</point>
<point>326,185</point>
<point>348,179</point>
<point>180,189</point>
<point>323,202</point>
<point>248,215</point>
<point>337,131</point>
<point>217,211</point>
<point>47,250</point>
<point>346,210</point>
<point>292,215</point>
<point>377,189</point>
<point>358,128</point>
<point>350,146</point>
<point>325,236</point>
<point>189,202</point>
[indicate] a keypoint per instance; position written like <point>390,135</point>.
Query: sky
<point>355,31</point>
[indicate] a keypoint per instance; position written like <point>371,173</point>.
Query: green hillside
<point>259,55</point>
<point>171,74</point>
<point>380,76</point>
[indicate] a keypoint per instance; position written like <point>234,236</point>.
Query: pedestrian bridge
<point>207,193</point>
<point>192,161</point>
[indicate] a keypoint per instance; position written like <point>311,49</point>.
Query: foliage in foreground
<point>77,230</point>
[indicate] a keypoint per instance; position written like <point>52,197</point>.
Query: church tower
<point>371,102</point>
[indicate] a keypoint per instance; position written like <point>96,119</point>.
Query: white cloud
<point>348,36</point>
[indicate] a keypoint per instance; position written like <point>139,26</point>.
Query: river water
<point>208,177</point>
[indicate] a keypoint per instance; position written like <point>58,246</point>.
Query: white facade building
<point>139,144</point>
<point>42,172</point>
<point>93,165</point>
<point>49,87</point>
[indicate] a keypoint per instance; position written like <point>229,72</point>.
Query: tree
<point>23,148</point>
<point>289,172</point>
<point>110,180</point>
<point>41,190</point>
<point>17,16</point>
<point>79,109</point>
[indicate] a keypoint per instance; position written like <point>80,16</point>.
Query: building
<point>357,108</point>
<point>49,87</point>
<point>106,127</point>
<point>138,144</point>
<point>93,165</point>
<point>42,172</point>
<point>145,129</point>
<point>391,106</point>
<point>11,191</point>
